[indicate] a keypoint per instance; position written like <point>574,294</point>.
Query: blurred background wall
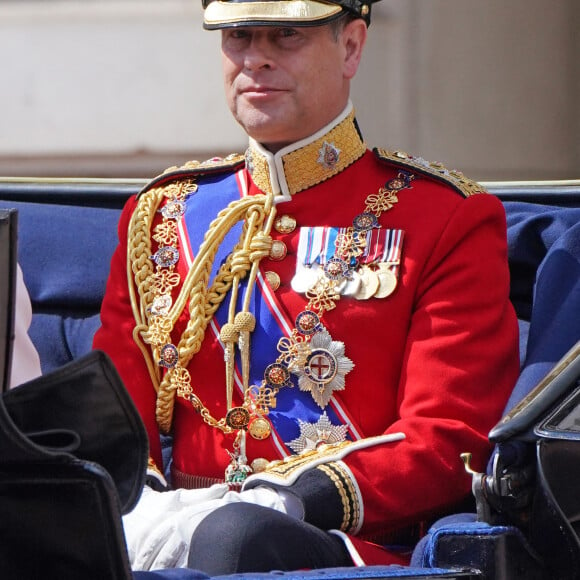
<point>125,88</point>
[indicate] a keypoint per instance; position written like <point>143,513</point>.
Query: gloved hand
<point>159,529</point>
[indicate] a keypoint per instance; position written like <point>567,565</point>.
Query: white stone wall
<point>109,77</point>
<point>126,87</point>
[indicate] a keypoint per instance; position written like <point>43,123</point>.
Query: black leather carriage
<point>67,234</point>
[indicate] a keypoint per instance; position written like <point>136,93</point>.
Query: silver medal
<point>305,278</point>
<point>350,287</point>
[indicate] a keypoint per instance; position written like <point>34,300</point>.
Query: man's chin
<point>265,129</point>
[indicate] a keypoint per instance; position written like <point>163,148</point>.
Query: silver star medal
<point>312,435</point>
<point>324,369</point>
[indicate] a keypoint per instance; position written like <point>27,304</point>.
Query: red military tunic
<point>435,360</point>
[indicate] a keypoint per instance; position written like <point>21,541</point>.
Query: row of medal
<point>373,275</point>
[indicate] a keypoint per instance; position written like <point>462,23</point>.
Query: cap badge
<point>328,155</point>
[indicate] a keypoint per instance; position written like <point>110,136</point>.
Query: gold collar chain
<point>156,314</point>
<point>310,345</point>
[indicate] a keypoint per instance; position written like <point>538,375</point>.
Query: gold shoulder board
<point>436,170</point>
<point>193,169</point>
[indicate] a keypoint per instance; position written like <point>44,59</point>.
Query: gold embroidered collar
<point>309,161</point>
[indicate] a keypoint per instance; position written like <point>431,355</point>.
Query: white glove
<point>159,529</point>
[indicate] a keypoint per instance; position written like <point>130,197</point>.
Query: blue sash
<point>292,404</point>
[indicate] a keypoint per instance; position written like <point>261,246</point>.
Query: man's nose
<point>258,54</point>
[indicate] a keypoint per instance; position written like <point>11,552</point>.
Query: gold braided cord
<point>240,270</point>
<point>191,340</point>
<point>218,229</point>
<point>244,321</point>
<point>229,334</point>
<point>256,245</point>
<point>235,335</point>
<point>140,270</point>
<point>260,248</point>
<point>139,266</point>
<point>215,295</point>
<point>201,300</point>
<point>151,366</point>
<point>195,293</point>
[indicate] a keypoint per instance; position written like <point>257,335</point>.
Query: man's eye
<point>238,33</point>
<point>235,34</point>
<point>287,32</point>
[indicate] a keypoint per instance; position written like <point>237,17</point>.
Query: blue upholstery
<point>65,253</point>
<point>461,542</point>
<point>544,254</point>
<point>176,573</point>
<point>368,572</point>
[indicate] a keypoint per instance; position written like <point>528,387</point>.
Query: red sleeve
<point>460,362</point>
<point>459,366</point>
<point>115,337</point>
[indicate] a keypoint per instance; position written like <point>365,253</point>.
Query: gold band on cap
<point>220,13</point>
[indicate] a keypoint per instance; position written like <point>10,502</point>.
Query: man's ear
<point>354,37</point>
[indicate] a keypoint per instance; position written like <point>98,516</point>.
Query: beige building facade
<point>124,88</point>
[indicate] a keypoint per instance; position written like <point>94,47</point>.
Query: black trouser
<point>243,537</point>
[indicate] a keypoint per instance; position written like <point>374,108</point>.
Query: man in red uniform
<point>322,328</point>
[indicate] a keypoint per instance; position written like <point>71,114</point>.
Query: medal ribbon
<point>392,249</point>
<point>317,245</point>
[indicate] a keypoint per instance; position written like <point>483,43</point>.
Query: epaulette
<point>193,169</point>
<point>435,170</point>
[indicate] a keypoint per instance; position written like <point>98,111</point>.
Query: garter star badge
<point>312,435</point>
<point>325,368</point>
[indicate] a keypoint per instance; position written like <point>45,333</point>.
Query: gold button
<point>259,464</point>
<point>278,250</point>
<point>285,224</point>
<point>273,279</point>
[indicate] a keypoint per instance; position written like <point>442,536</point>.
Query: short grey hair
<point>337,26</point>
